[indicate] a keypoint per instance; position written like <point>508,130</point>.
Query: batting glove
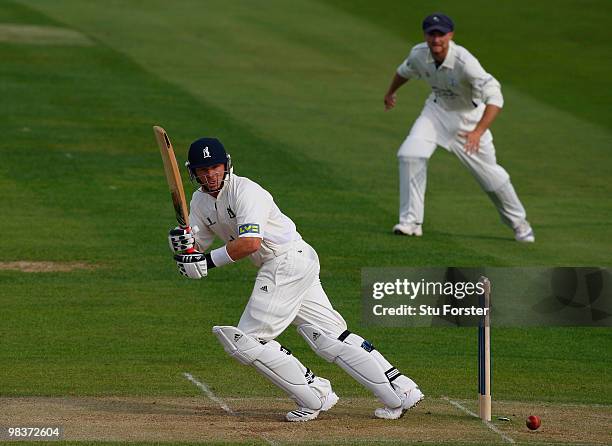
<point>182,239</point>
<point>192,265</point>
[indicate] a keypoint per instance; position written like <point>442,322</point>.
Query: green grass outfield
<point>294,90</point>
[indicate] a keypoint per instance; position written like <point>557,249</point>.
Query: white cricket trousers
<point>288,291</point>
<point>438,127</point>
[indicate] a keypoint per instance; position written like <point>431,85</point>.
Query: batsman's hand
<point>192,265</point>
<point>182,239</point>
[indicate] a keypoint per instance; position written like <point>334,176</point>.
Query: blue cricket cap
<point>438,22</point>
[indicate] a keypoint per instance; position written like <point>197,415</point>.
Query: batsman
<point>287,291</point>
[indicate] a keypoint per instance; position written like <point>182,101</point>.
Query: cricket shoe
<point>408,229</point>
<point>410,399</point>
<point>305,414</point>
<point>524,233</point>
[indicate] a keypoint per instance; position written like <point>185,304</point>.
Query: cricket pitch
<point>261,421</point>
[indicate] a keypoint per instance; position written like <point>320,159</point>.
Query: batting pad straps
<point>399,382</point>
<point>277,364</point>
<point>392,374</point>
<point>366,345</point>
<point>218,257</point>
<point>344,335</point>
<point>354,356</point>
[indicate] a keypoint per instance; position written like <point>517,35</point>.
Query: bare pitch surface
<point>43,267</point>
<point>42,35</point>
<point>198,419</point>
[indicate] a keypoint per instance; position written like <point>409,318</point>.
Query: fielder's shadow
<point>472,236</point>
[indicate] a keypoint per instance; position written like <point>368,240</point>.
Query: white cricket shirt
<point>459,84</point>
<point>242,209</point>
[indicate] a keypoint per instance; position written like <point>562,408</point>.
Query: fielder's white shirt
<point>459,84</point>
<point>242,209</point>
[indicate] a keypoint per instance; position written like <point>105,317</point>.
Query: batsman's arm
<point>243,247</point>
<point>252,208</point>
<point>233,251</point>
<point>390,96</point>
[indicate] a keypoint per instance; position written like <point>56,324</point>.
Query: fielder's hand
<point>472,141</point>
<point>192,265</point>
<point>181,239</point>
<point>390,101</point>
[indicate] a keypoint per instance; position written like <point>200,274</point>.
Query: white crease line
<point>209,393</point>
<point>204,388</point>
<point>486,423</point>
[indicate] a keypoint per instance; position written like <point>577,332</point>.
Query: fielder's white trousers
<point>438,127</point>
<point>288,291</point>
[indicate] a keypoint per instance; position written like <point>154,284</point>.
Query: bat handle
<point>190,250</point>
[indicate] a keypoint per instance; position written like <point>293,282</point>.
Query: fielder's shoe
<point>408,229</point>
<point>305,414</point>
<point>524,233</point>
<point>410,399</point>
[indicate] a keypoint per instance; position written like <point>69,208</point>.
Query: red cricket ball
<point>533,422</point>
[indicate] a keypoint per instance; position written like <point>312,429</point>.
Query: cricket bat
<point>173,176</point>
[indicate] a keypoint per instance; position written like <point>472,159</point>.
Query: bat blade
<point>173,176</point>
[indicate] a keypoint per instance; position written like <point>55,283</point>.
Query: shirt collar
<point>449,61</point>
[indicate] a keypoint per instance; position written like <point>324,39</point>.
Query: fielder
<point>465,100</point>
<point>287,291</point>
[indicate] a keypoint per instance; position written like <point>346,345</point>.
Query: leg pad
<point>277,364</point>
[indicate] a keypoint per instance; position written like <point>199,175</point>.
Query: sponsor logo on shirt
<point>248,228</point>
<point>444,92</point>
